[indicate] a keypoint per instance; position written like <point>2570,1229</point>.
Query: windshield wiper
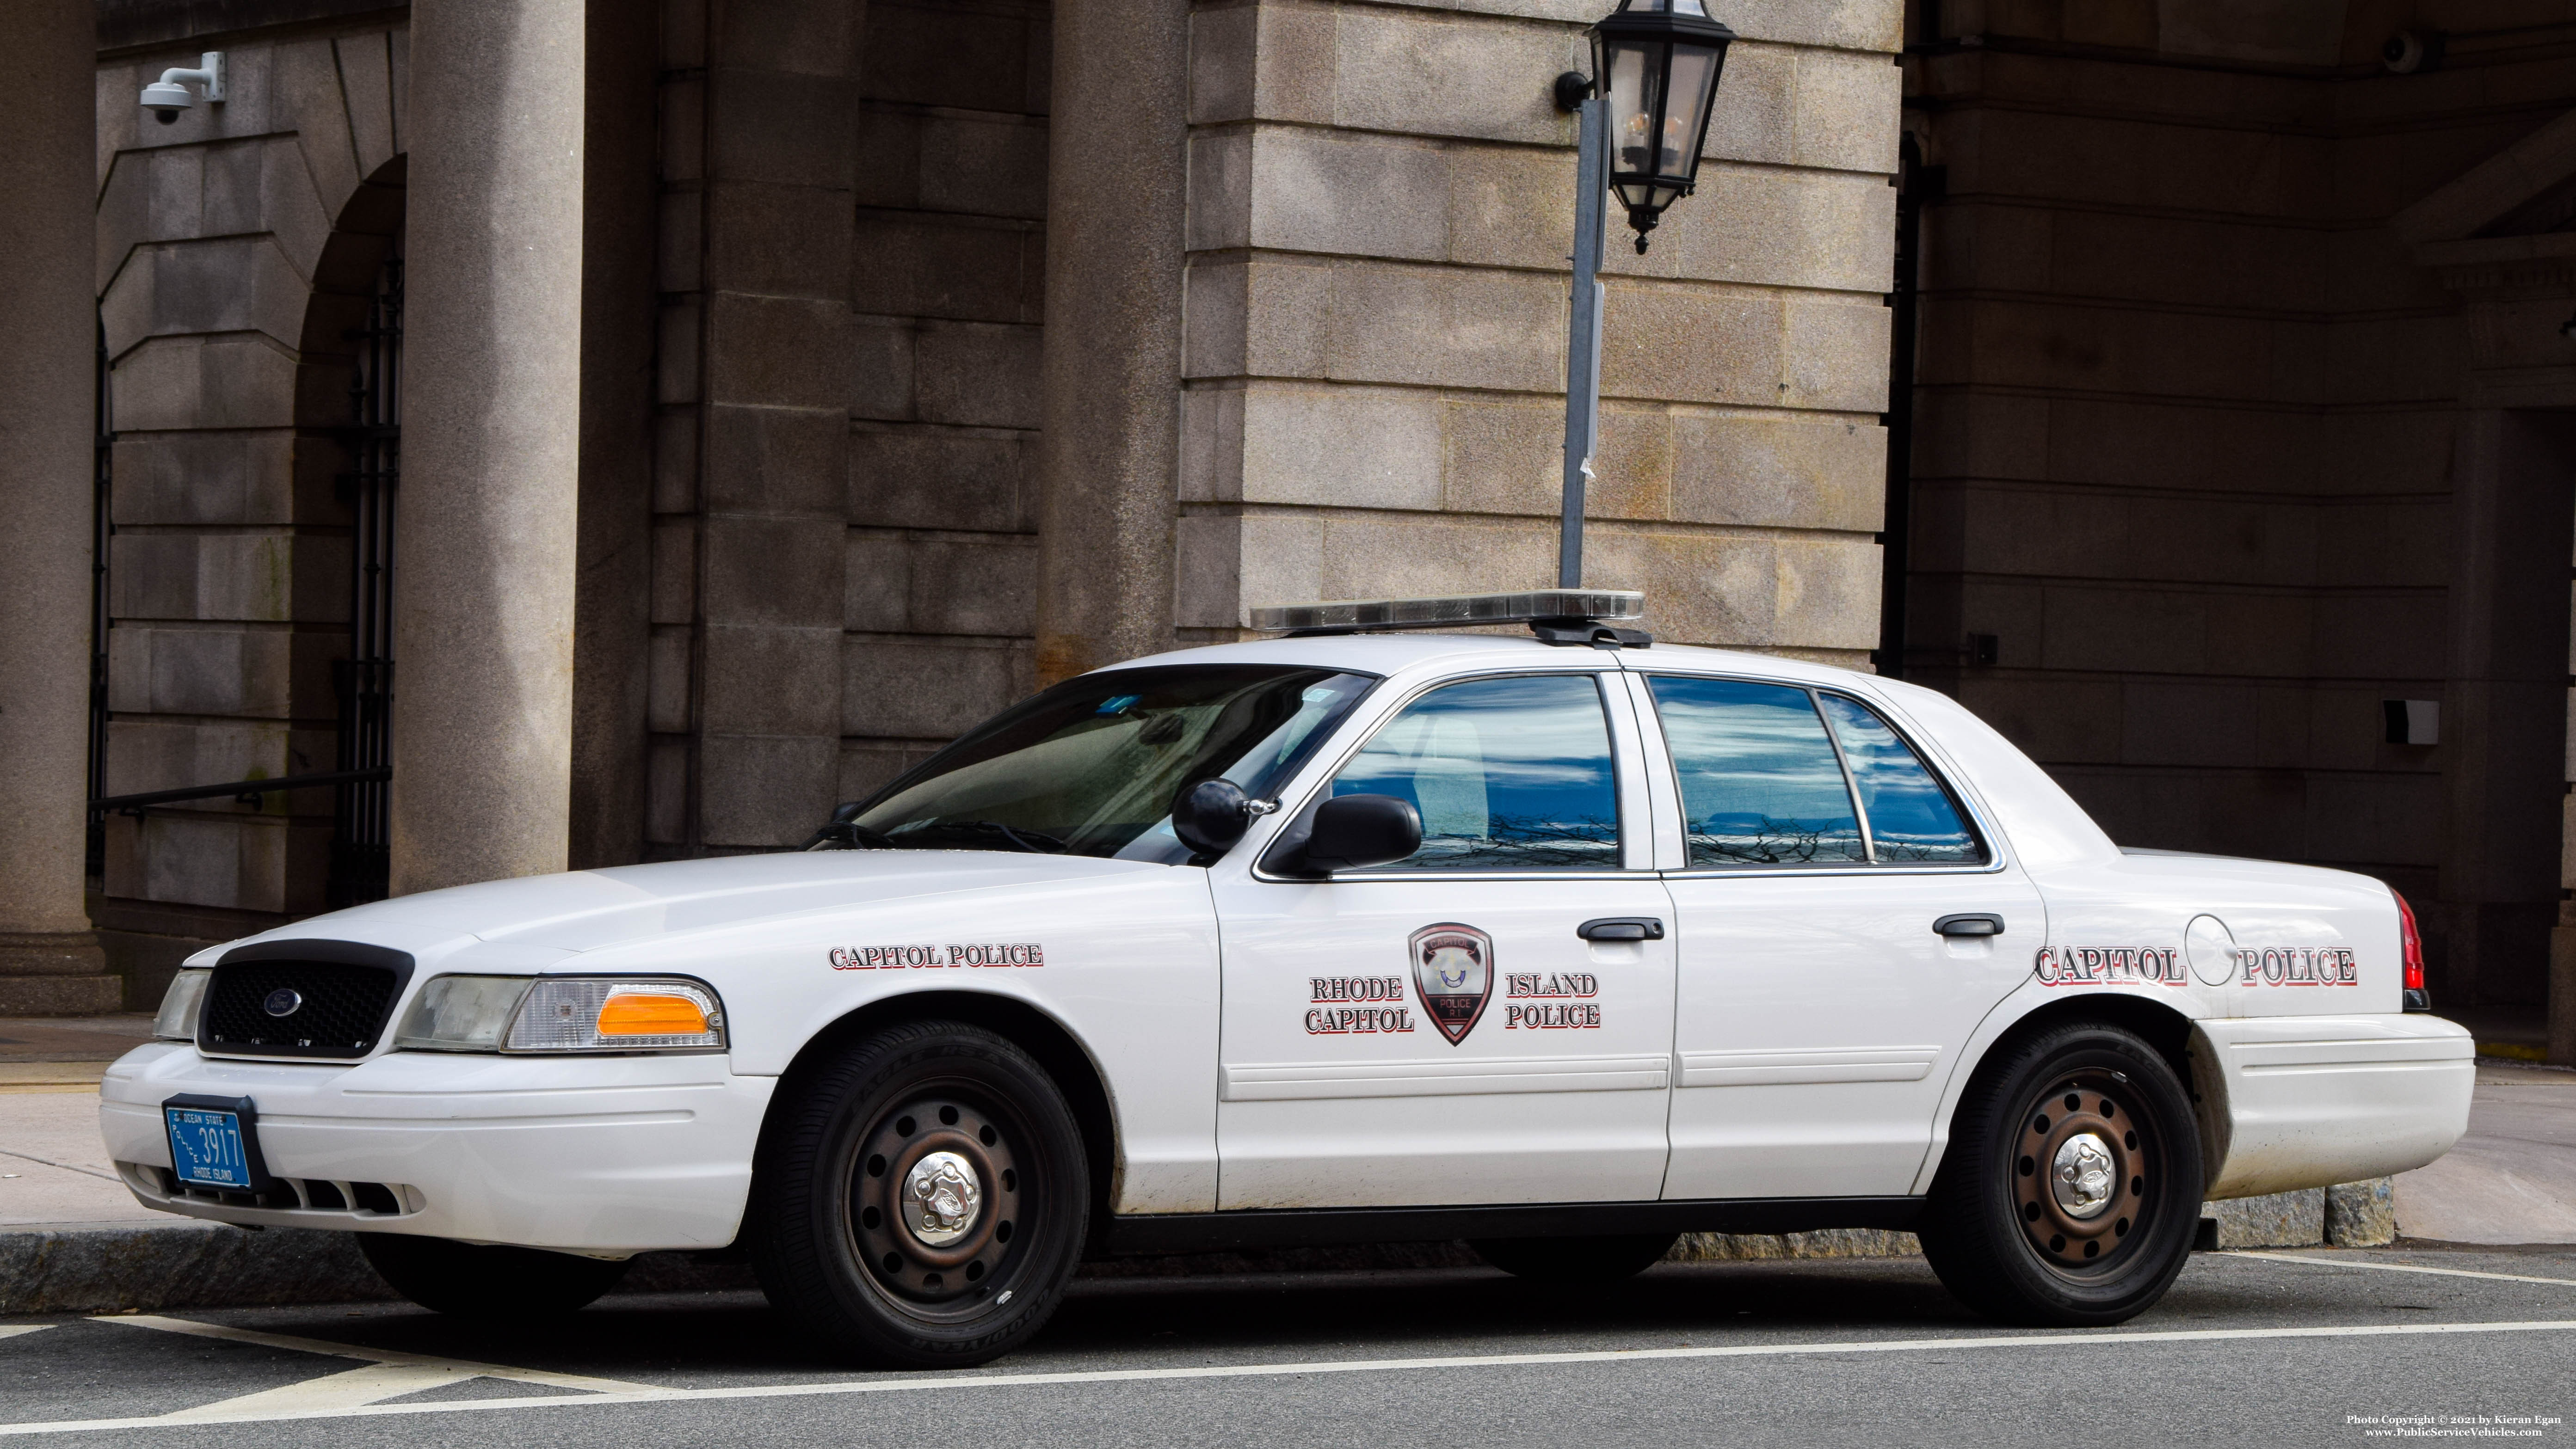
<point>848,835</point>
<point>1036,842</point>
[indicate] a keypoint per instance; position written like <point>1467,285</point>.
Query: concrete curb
<point>153,1266</point>
<point>178,1265</point>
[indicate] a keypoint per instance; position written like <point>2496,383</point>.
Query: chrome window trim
<point>1308,798</point>
<point>1943,774</point>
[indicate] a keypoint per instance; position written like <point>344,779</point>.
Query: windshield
<point>1092,766</point>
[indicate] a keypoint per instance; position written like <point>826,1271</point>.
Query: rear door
<point>1438,1031</point>
<point>1820,1010</point>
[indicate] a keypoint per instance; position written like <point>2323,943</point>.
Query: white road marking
<point>2402,1268</point>
<point>966,1381</point>
<point>349,1389</point>
<point>389,1372</point>
<point>14,1329</point>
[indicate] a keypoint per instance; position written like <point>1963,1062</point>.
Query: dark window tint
<point>1760,784</point>
<point>1509,774</point>
<point>1911,818</point>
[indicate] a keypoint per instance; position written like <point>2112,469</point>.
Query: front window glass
<point>1092,766</point>
<point>1759,780</point>
<point>1509,774</point>
<point>1911,818</point>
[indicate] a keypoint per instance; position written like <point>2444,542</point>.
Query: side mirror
<point>1354,832</point>
<point>1211,816</point>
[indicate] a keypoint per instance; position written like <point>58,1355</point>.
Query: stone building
<point>2242,408</point>
<point>643,425</point>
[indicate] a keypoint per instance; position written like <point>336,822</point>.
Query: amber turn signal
<point>638,1013</point>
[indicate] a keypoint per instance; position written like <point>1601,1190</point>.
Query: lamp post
<point>1642,117</point>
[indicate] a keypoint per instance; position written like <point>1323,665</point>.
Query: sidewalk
<point>2513,1178</point>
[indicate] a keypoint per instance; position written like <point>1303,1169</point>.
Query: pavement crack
<point>65,1166</point>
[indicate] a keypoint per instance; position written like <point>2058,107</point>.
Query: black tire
<point>470,1280</point>
<point>2026,1223</point>
<point>956,1280</point>
<point>1576,1260</point>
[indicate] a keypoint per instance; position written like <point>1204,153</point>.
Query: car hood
<point>585,910</point>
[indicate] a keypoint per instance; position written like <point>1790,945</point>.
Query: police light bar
<point>1557,609</point>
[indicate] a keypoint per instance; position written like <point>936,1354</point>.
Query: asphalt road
<point>2247,1349</point>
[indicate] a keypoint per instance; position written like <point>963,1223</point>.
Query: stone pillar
<point>1109,450</point>
<point>49,961</point>
<point>484,585</point>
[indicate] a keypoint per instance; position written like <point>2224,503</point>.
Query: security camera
<point>2409,51</point>
<point>168,96</point>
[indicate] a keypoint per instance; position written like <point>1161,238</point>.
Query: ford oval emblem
<point>283,1001</point>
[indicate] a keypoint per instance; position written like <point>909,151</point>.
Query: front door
<point>1439,1030</point>
<point>1820,1013</point>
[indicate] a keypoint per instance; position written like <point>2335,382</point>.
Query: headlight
<point>177,1020</point>
<point>461,1014</point>
<point>563,1014</point>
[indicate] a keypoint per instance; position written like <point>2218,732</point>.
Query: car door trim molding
<point>1310,1081</point>
<point>1784,1068</point>
<point>1143,1233</point>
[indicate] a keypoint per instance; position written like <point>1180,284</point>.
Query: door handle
<point>1621,928</point>
<point>1972,923</point>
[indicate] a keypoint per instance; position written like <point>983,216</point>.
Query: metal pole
<point>1583,333</point>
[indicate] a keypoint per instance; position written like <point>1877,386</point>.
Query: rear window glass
<point>1911,818</point>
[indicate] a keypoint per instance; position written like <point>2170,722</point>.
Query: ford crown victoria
<point>1563,944</point>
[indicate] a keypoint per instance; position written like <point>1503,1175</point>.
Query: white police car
<point>1338,937</point>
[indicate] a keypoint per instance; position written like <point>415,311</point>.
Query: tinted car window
<point>1911,818</point>
<point>1760,784</point>
<point>1509,774</point>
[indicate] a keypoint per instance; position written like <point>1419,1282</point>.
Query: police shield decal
<point>1453,969</point>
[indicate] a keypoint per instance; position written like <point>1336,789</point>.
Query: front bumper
<point>606,1155</point>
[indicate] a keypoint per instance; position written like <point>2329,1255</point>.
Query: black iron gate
<point>365,680</point>
<point>101,528</point>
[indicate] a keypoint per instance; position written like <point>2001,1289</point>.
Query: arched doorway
<point>355,325</point>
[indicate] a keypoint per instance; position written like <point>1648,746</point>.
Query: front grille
<point>338,1009</point>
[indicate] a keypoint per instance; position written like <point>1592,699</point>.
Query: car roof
<point>1438,650</point>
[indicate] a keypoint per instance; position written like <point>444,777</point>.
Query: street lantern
<point>1640,119</point>
<point>1657,61</point>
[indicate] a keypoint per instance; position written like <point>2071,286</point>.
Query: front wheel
<point>922,1200</point>
<point>2071,1189</point>
<point>473,1280</point>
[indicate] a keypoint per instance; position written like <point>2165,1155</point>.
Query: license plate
<point>206,1148</point>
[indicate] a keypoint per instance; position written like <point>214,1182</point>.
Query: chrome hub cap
<point>2081,1176</point>
<point>2081,1167</point>
<point>941,1197</point>
<point>936,1198</point>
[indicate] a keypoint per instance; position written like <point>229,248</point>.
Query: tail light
<point>2412,943</point>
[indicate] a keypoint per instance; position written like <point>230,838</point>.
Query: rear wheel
<point>2071,1189</point>
<point>1576,1260</point>
<point>923,1200</point>
<point>472,1280</point>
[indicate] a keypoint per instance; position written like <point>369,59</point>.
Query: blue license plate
<point>206,1148</point>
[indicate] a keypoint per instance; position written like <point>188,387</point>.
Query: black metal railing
<point>102,528</point>
<point>246,791</point>
<point>360,824</point>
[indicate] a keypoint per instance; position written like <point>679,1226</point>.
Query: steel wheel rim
<point>2081,1215</point>
<point>952,1271</point>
